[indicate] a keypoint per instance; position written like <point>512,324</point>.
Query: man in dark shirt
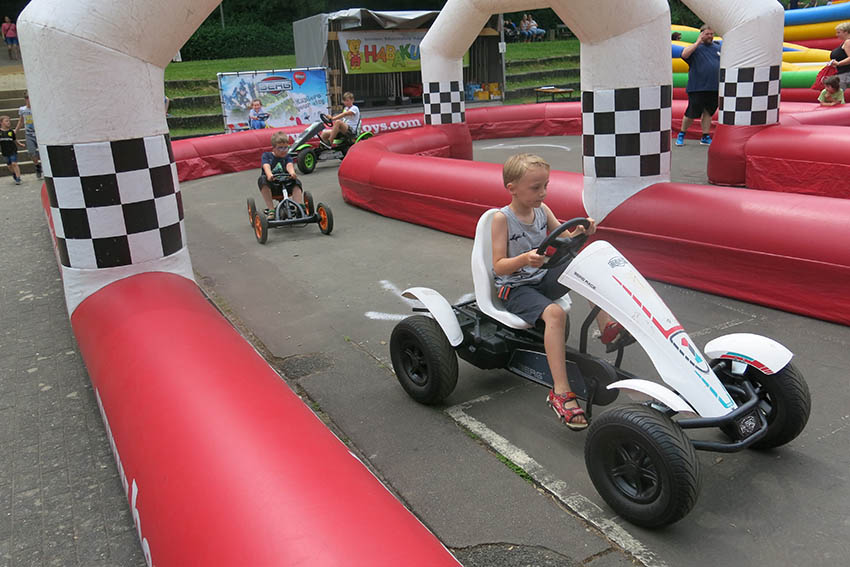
<point>703,59</point>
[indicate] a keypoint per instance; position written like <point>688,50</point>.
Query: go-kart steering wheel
<point>565,248</point>
<point>326,120</point>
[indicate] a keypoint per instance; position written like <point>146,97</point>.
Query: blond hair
<point>516,166</point>
<point>843,26</point>
<point>346,95</point>
<point>280,139</point>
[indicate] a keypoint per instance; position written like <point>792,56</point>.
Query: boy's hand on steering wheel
<point>534,259</point>
<point>580,229</point>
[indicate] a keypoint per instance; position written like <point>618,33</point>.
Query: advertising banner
<point>290,97</point>
<point>382,51</point>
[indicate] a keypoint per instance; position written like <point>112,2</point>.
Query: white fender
<point>764,354</point>
<point>441,310</point>
<point>656,391</point>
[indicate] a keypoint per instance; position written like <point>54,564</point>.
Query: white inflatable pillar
<point>750,59</point>
<point>108,167</point>
<point>626,83</point>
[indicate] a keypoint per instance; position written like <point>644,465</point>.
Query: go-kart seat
<point>484,282</point>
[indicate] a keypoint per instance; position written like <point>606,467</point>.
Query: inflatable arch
<point>221,462</point>
<point>626,92</point>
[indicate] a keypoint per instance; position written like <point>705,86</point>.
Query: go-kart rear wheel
<point>252,210</point>
<point>787,395</point>
<point>309,204</point>
<point>425,363</point>
<point>326,218</point>
<point>261,227</point>
<point>307,160</point>
<point>643,465</point>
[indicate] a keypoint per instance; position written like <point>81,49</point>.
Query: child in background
<point>9,147</point>
<point>25,121</point>
<point>277,163</point>
<point>831,95</point>
<point>345,123</point>
<point>257,116</point>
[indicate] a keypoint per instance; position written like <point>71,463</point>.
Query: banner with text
<point>382,51</point>
<point>290,97</point>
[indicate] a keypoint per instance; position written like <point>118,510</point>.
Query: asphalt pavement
<point>491,472</point>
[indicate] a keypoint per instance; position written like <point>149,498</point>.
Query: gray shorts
<point>529,301</point>
<point>32,145</point>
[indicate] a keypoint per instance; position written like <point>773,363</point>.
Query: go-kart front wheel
<point>326,218</point>
<point>307,160</point>
<point>788,403</point>
<point>643,465</point>
<point>252,210</point>
<point>425,363</point>
<point>261,227</point>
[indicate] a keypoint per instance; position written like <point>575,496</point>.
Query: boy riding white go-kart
<point>637,455</point>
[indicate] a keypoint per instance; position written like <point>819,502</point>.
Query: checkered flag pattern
<point>114,203</point>
<point>749,96</point>
<point>626,132</point>
<point>444,103</point>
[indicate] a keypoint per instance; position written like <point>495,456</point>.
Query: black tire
<point>790,401</point>
<point>306,160</point>
<point>252,210</point>
<point>261,227</point>
<point>326,218</point>
<point>643,465</point>
<point>425,363</point>
<point>309,204</point>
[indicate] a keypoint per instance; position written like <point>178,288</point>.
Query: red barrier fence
<point>222,463</point>
<point>777,249</point>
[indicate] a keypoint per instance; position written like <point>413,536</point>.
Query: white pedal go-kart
<point>638,455</point>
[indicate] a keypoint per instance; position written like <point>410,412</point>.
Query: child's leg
<point>16,169</point>
<point>297,193</point>
<point>266,192</point>
<point>553,341</point>
<point>705,121</point>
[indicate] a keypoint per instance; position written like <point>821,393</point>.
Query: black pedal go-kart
<point>288,212</point>
<point>306,155</point>
<point>638,455</point>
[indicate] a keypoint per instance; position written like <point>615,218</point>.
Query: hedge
<point>210,41</point>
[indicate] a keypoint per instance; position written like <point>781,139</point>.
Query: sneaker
<point>17,180</point>
<point>705,140</point>
<point>269,214</point>
<point>38,172</point>
<point>567,415</point>
<point>680,139</point>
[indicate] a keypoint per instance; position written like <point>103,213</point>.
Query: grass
<point>191,91</point>
<point>193,132</point>
<point>198,70</point>
<point>542,49</point>
<point>196,110</point>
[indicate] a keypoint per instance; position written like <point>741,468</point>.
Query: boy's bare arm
<point>552,223</point>
<point>503,265</point>
<point>290,169</point>
<point>267,169</point>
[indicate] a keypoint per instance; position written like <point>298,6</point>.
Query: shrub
<point>210,41</point>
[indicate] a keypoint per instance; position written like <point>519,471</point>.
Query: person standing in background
<point>25,121</point>
<point>703,59</point>
<point>10,36</point>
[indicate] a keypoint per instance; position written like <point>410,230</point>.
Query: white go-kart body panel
<point>604,276</point>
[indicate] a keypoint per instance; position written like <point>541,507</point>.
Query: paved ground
<point>326,332</point>
<point>61,502</point>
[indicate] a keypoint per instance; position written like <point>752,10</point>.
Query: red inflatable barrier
<point>222,463</point>
<point>800,160</point>
<point>723,240</point>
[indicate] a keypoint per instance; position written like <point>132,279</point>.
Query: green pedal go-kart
<point>307,155</point>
